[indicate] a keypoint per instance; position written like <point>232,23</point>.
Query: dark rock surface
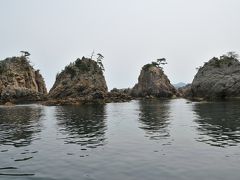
<point>153,82</point>
<point>185,91</point>
<point>119,95</point>
<point>82,80</point>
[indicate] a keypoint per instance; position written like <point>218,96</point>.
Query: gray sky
<point>129,33</point>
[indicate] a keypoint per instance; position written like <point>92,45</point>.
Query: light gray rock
<point>218,78</point>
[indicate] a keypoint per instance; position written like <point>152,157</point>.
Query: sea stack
<point>152,82</point>
<point>82,80</point>
<point>219,78</point>
<point>20,82</point>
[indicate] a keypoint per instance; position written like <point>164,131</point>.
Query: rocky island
<point>81,81</point>
<point>20,82</point>
<point>219,78</point>
<point>152,82</point>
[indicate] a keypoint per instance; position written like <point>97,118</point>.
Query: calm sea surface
<point>139,140</point>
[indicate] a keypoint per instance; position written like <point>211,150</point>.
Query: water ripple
<point>18,125</point>
<point>83,125</point>
<point>155,119</point>
<point>218,123</point>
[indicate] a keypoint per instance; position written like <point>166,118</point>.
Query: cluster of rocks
<point>119,95</point>
<point>83,82</point>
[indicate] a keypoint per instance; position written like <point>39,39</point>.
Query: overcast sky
<point>129,33</point>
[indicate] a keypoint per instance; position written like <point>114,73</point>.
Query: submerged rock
<point>20,82</point>
<point>218,78</point>
<point>82,80</point>
<point>152,82</point>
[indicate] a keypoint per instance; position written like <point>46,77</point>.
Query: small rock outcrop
<point>119,95</point>
<point>126,91</point>
<point>82,80</point>
<point>218,78</point>
<point>153,82</point>
<point>20,82</point>
<point>185,91</point>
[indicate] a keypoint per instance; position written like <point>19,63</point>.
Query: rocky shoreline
<point>83,82</point>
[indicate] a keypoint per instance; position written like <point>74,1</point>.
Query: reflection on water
<point>219,123</point>
<point>83,125</point>
<point>142,140</point>
<point>19,124</point>
<point>154,118</point>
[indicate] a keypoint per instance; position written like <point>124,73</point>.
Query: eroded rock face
<point>218,78</point>
<point>20,82</point>
<point>81,80</point>
<point>153,82</point>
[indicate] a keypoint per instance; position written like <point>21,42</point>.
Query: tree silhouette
<point>99,61</point>
<point>159,63</point>
<point>25,53</point>
<point>232,55</point>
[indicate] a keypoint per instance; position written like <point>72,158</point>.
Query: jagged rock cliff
<point>81,80</point>
<point>20,82</point>
<point>153,82</point>
<point>218,78</point>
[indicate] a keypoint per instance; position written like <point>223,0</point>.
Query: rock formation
<point>153,82</point>
<point>20,82</point>
<point>82,80</point>
<point>119,95</point>
<point>185,91</point>
<point>218,78</point>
